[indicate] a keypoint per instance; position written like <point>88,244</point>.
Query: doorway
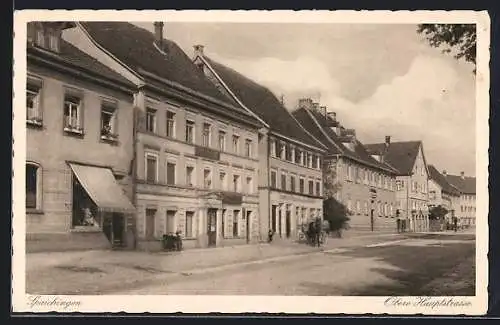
<point>273,218</point>
<point>212,227</point>
<point>279,221</point>
<point>118,229</point>
<point>288,228</point>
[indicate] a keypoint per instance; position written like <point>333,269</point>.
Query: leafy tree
<point>457,38</point>
<point>437,213</point>
<point>334,211</point>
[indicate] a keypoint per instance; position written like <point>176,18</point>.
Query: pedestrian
<point>270,235</point>
<point>455,223</point>
<point>398,225</point>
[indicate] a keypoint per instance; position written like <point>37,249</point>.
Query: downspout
<point>408,200</point>
<point>134,175</point>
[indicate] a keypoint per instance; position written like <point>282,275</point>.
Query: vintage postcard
<point>251,161</point>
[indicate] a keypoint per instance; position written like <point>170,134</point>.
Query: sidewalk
<point>92,272</point>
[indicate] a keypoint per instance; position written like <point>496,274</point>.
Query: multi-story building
<point>290,159</point>
<point>197,154</point>
<point>79,118</point>
<point>442,193</point>
<point>411,181</point>
<point>466,205</point>
<point>366,186</point>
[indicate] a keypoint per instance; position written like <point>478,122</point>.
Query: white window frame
<point>176,178</point>
<point>170,120</point>
<point>236,177</point>
<point>273,148</point>
<point>208,136</point>
<point>210,186</point>
<point>223,182</point>
<point>109,107</point>
<point>193,175</point>
<point>54,42</point>
<point>303,180</point>
<point>235,144</point>
<point>190,123</point>
<point>35,117</point>
<point>68,120</point>
<point>40,37</point>
<point>222,144</point>
<point>248,147</point>
<point>275,172</point>
<point>155,117</point>
<point>193,224</point>
<point>157,157</point>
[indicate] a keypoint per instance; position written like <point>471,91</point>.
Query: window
<point>32,186</point>
<point>273,179</point>
<point>72,114</point>
<point>236,142</point>
<point>170,124</point>
<point>298,156</point>
<point>109,120</point>
<point>314,162</point>
<point>150,120</point>
<point>189,131</point>
<point>248,148</point>
<point>236,217</point>
<point>249,184</point>
<point>151,168</point>
<point>288,153</point>
<point>189,176</point>
<point>170,224</point>
<point>311,187</point>
<point>40,38</point>
<point>292,183</point>
<point>282,150</point>
<point>207,178</point>
<point>358,207</point>
<point>189,224</point>
<point>170,173</point>
<point>222,179</point>
<point>301,185</point>
<point>206,135</point>
<point>33,103</point>
<point>318,188</point>
<point>236,183</point>
<point>283,182</point>
<point>150,223</point>
<point>273,148</point>
<point>54,42</point>
<point>222,141</point>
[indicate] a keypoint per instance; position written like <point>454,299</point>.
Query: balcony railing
<point>206,152</point>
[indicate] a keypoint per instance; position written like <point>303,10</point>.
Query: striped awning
<point>102,188</point>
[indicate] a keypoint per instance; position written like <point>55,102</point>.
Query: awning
<point>102,188</point>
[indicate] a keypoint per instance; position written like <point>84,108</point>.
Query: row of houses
<point>129,138</point>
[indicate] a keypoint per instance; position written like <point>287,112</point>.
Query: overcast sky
<point>380,79</point>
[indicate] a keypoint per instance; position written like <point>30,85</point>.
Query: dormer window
<point>53,42</point>
<point>48,39</point>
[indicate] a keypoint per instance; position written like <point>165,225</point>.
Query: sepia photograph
<point>267,156</point>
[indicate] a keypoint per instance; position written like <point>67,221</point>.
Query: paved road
<point>434,265</point>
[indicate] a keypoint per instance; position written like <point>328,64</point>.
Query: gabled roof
<point>316,123</point>
<point>71,56</point>
<point>466,185</point>
<point>263,103</point>
<point>135,47</point>
<point>400,155</point>
<point>441,180</point>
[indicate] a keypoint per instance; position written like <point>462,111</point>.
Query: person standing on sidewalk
<point>270,235</point>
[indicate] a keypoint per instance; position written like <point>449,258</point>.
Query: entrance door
<point>107,227</point>
<point>288,224</point>
<point>273,218</point>
<point>118,228</point>
<point>279,222</point>
<point>247,228</point>
<point>212,227</point>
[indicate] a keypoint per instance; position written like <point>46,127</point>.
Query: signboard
<point>205,152</point>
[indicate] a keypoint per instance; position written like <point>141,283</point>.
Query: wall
<point>49,147</point>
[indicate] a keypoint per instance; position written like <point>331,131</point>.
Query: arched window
<point>33,186</point>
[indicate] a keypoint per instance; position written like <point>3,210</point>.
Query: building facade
<point>466,204</point>
<point>196,156</point>
<point>79,117</point>
<point>442,193</point>
<point>363,184</point>
<point>411,181</point>
<point>290,158</point>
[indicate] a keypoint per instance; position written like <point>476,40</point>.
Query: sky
<point>380,79</point>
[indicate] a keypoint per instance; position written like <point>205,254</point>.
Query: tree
<point>437,213</point>
<point>334,211</point>
<point>457,38</point>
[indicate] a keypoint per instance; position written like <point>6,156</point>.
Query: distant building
<point>197,156</point>
<point>79,149</point>
<point>442,193</point>
<point>466,207</point>
<point>290,159</point>
<point>411,181</point>
<point>366,185</point>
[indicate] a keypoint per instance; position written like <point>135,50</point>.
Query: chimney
<point>315,106</point>
<point>323,110</point>
<point>305,103</point>
<point>332,115</point>
<point>387,140</point>
<point>198,50</point>
<point>444,172</point>
<point>159,34</point>
<point>462,174</point>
